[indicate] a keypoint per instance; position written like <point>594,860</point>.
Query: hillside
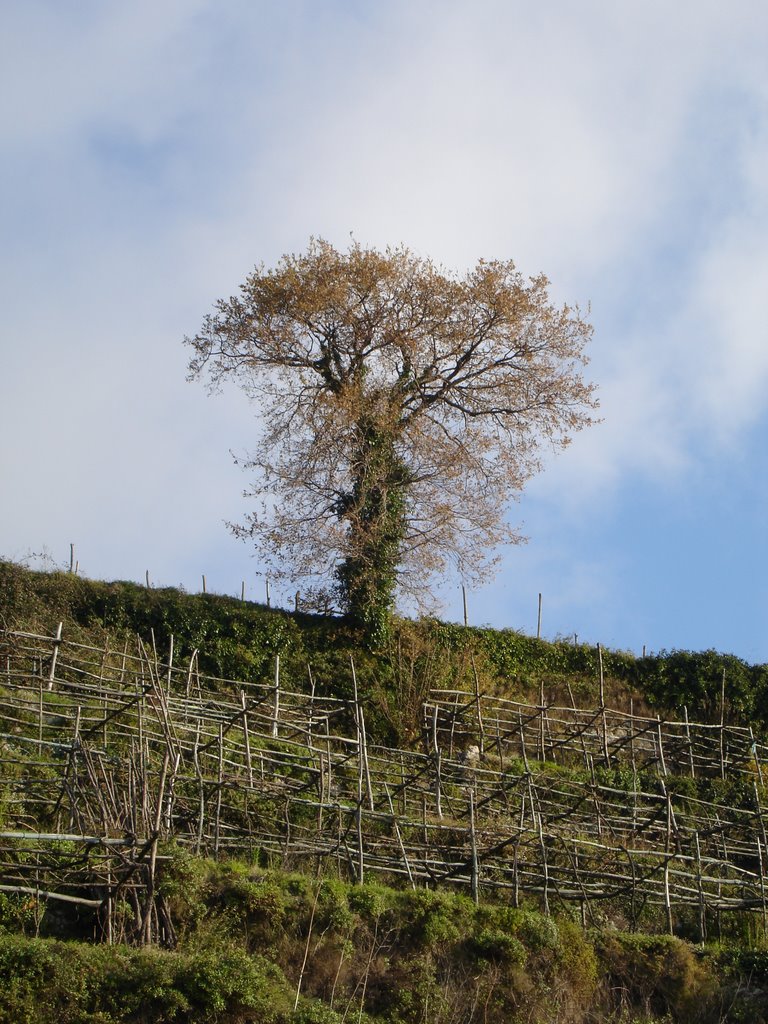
<point>483,824</point>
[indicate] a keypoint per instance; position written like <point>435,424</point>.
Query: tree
<point>402,408</point>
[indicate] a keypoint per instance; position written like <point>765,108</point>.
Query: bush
<point>48,982</point>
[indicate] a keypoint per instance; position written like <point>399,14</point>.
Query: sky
<point>151,154</point>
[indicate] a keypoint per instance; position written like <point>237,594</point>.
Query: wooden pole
<point>475,883</point>
<point>269,596</point>
<point>761,875</point>
<point>480,727</point>
<point>219,787</point>
<point>667,899</point>
<point>755,755</point>
<point>689,742</point>
<point>602,707</point>
<point>722,727</point>
<point>538,622</point>
<point>464,599</point>
<point>276,700</point>
<point>247,739</point>
<point>362,740</point>
<point>542,845</point>
<point>403,854</point>
<point>40,721</point>
<point>662,762</point>
<point>55,655</point>
<point>72,558</point>
<point>438,767</point>
<point>204,588</point>
<point>542,749</point>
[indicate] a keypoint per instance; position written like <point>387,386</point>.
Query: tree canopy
<point>401,409</point>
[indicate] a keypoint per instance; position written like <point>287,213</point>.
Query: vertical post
<point>761,874</point>
<point>536,815</point>
<point>464,599</point>
<point>438,766</point>
<point>398,833</point>
<point>204,588</point>
<point>269,597</point>
<point>55,655</point>
<point>753,749</point>
<point>247,739</point>
<point>276,701</point>
<point>667,858</point>
<point>662,762</point>
<point>242,591</point>
<point>606,755</point>
<point>522,741</point>
<point>538,623</point>
<point>72,558</point>
<point>542,749</point>
<point>170,667</point>
<point>702,904</point>
<point>362,741</point>
<point>219,787</point>
<point>480,727</point>
<point>722,727</point>
<point>359,814</point>
<point>296,601</point>
<point>40,721</point>
<point>690,743</point>
<point>109,906</point>
<point>473,843</point>
<point>311,717</point>
<point>147,578</point>
<point>634,762</point>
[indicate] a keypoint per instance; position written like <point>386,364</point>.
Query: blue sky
<point>151,154</point>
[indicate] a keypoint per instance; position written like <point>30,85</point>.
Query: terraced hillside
<point>110,753</point>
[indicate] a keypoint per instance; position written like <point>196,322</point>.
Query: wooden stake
<point>722,727</point>
<point>542,750</point>
<point>480,728</point>
<point>403,854</point>
<point>662,762</point>
<point>755,755</point>
<point>602,707</point>
<point>538,622</point>
<point>689,743</point>
<point>276,703</point>
<point>761,875</point>
<point>55,655</point>
<point>438,767</point>
<point>248,739</point>
<point>219,787</point>
<point>475,884</point>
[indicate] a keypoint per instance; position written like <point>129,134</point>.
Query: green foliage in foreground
<point>72,983</point>
<point>249,940</point>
